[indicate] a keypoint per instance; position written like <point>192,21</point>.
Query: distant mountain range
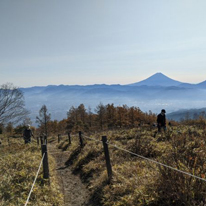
<point>185,114</point>
<point>153,93</point>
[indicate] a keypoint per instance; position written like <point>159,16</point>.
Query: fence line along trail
<point>74,191</point>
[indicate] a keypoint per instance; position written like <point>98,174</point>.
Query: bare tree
<point>11,104</point>
<point>27,121</point>
<point>43,119</point>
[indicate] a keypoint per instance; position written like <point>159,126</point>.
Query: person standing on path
<point>27,134</point>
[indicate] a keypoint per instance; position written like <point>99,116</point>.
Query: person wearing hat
<point>27,134</point>
<point>161,120</point>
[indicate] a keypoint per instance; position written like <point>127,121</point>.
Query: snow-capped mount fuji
<point>157,79</point>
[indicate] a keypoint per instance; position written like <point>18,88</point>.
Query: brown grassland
<point>135,181</point>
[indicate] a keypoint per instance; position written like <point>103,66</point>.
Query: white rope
<point>156,162</point>
<point>34,180</point>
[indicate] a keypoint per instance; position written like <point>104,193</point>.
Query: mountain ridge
<point>150,96</point>
<point>155,80</point>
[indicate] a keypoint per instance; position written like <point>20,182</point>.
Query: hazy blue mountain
<point>187,85</point>
<point>201,84</point>
<point>150,94</point>
<point>157,79</point>
<point>186,114</point>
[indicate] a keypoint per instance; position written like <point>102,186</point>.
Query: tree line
<point>12,111</point>
<point>107,117</point>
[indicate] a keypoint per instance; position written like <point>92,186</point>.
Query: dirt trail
<point>74,191</point>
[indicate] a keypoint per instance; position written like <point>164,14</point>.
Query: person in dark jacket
<point>161,120</point>
<point>27,134</point>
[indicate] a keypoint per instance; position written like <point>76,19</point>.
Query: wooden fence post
<point>45,162</point>
<point>45,139</point>
<point>8,140</point>
<point>69,137</point>
<point>107,157</point>
<point>37,139</point>
<point>80,139</point>
<point>59,138</point>
<point>41,138</point>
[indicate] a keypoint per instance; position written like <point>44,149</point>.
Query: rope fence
<point>27,201</point>
<point>142,157</point>
<point>44,161</point>
<point>159,163</point>
<point>105,143</point>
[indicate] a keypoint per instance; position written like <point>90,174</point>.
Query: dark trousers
<point>26,141</point>
<point>161,127</point>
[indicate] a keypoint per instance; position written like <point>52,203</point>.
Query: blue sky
<point>44,42</point>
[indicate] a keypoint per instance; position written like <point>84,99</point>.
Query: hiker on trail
<point>27,134</point>
<point>161,121</point>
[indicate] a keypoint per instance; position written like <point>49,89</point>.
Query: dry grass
<point>19,164</point>
<point>136,181</point>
